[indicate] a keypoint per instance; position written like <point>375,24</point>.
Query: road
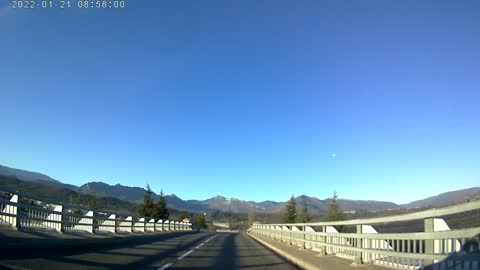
<point>168,251</point>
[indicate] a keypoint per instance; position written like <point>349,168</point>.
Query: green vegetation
<point>335,213</point>
<point>304,215</point>
<point>290,213</point>
<point>200,221</point>
<point>252,216</point>
<point>65,196</point>
<point>153,210</point>
<point>59,194</point>
<point>93,203</point>
<point>161,210</point>
<point>183,215</point>
<point>145,209</point>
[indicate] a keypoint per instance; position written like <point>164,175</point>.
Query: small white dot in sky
<point>334,155</point>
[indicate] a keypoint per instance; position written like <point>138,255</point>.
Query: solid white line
<point>185,255</point>
<point>165,266</point>
<point>210,238</point>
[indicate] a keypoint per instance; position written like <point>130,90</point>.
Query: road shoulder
<point>308,259</point>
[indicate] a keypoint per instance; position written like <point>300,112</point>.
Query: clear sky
<point>248,99</point>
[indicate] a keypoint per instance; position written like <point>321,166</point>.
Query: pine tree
<point>146,208</point>
<point>304,215</point>
<point>77,200</point>
<point>290,211</point>
<point>93,203</point>
<point>160,210</point>
<point>200,220</point>
<point>184,215</point>
<point>335,213</point>
<point>252,215</point>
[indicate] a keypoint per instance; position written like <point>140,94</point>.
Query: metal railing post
<point>323,250</point>
<point>57,217</point>
<point>10,212</point>
<point>291,235</point>
<point>91,217</point>
<point>159,225</point>
<point>304,238</point>
<point>62,221</point>
<point>429,226</point>
<point>126,225</point>
<point>358,244</point>
<point>13,209</point>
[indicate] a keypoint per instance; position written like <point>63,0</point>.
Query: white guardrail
<point>23,211</point>
<point>436,246</point>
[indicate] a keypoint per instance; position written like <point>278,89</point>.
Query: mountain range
<point>222,204</point>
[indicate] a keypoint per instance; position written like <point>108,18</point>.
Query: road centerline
<point>187,253</point>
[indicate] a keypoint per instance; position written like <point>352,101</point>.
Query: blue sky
<point>247,99</point>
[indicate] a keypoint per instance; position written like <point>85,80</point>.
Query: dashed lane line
<point>165,266</point>
<point>187,253</point>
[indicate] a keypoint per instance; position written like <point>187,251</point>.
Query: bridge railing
<point>22,211</point>
<point>436,244</point>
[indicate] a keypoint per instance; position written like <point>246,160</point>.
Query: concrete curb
<point>298,262</point>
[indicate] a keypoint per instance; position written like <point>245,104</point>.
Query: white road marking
<point>165,266</point>
<point>206,241</point>
<point>187,253</point>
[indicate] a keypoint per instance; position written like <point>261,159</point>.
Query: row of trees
<point>334,213</point>
<point>151,209</point>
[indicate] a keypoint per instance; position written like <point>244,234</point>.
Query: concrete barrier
<point>37,213</point>
<point>402,250</point>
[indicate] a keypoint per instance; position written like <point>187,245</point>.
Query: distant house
<point>186,220</point>
<point>221,224</point>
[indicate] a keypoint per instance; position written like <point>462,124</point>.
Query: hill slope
<point>25,175</point>
<point>447,198</point>
<point>100,189</point>
<point>33,177</point>
<point>61,194</point>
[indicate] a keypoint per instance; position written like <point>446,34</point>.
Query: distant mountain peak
<point>101,189</point>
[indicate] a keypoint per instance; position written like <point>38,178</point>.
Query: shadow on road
<point>225,251</point>
<point>37,250</point>
<point>233,251</point>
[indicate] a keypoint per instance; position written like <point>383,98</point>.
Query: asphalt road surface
<point>169,251</point>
